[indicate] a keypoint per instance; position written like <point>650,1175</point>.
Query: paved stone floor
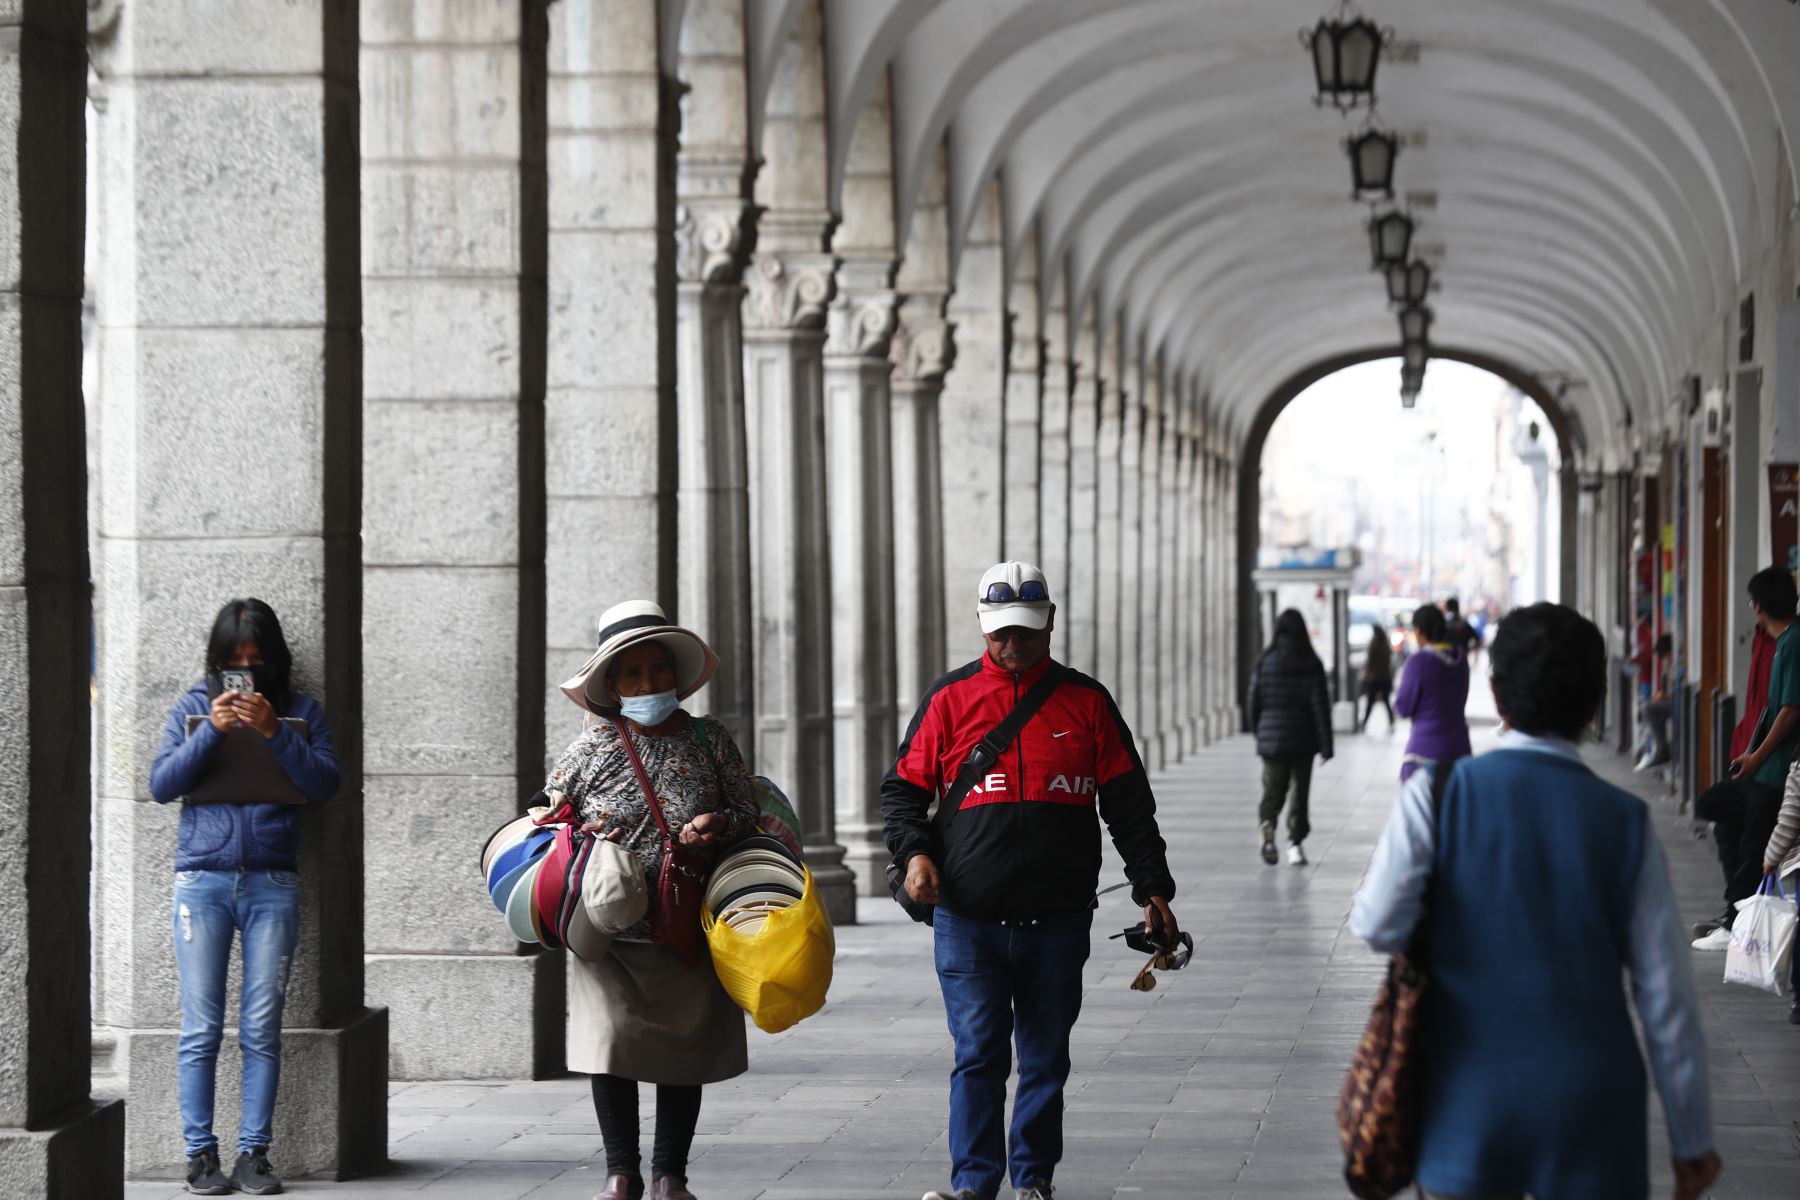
<point>1220,1083</point>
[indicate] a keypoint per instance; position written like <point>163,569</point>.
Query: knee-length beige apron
<point>640,1013</point>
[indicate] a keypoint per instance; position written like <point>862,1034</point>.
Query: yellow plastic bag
<point>780,973</point>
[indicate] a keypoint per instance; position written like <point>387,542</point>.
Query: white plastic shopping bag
<point>1762,939</point>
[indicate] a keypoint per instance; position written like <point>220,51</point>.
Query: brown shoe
<point>621,1187</point>
<point>670,1187</point>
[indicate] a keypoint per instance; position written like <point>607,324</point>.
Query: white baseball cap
<point>1013,593</point>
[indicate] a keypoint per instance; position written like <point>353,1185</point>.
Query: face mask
<point>652,710</point>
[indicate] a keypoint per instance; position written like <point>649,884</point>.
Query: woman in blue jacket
<point>1547,888</point>
<point>235,872</point>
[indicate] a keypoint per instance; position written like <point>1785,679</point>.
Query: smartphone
<point>242,682</point>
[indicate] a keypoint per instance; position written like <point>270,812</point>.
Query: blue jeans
<point>209,905</point>
<point>1001,984</point>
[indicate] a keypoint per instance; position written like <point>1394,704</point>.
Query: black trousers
<point>677,1114</point>
<point>1743,814</point>
<point>1374,692</point>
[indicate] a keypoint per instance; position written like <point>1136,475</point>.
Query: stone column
<point>791,285</point>
<point>972,429</point>
<point>1111,625</point>
<point>453,521</point>
<point>1131,556</point>
<point>230,433</point>
<point>1053,490</point>
<point>714,500</point>
<point>1231,707</point>
<point>922,352</point>
<point>1021,500</point>
<point>859,451</point>
<point>714,232</point>
<point>1186,659</point>
<point>55,1141</point>
<point>1081,617</point>
<point>1151,601</point>
<point>609,401</point>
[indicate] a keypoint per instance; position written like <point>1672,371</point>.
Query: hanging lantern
<point>1346,49</point>
<point>1390,238</point>
<point>1372,154</point>
<point>1415,323</point>
<point>1409,397</point>
<point>1408,283</point>
<point>1412,379</point>
<point>1413,356</point>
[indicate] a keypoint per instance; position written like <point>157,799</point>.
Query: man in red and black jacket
<point>1015,875</point>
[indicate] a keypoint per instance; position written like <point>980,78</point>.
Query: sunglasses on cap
<point>1032,591</point>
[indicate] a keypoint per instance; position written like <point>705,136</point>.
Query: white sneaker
<point>1718,939</point>
<point>1296,856</point>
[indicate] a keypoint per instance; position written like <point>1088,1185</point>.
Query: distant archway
<point>1249,512</point>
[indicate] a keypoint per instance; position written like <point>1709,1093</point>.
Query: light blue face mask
<point>652,710</point>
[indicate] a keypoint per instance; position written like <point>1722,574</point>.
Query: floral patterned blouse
<point>595,774</point>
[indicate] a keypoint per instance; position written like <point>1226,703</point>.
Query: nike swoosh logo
<point>1064,733</point>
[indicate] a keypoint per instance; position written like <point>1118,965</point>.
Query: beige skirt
<point>641,1014</point>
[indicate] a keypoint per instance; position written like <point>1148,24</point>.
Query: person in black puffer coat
<point>1290,711</point>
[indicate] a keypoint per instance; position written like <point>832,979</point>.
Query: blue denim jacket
<point>230,837</point>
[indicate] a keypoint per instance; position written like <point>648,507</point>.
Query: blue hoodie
<point>232,837</point>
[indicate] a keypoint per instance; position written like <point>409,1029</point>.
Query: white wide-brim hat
<point>625,625</point>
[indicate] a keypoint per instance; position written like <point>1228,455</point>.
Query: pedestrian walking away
<point>1434,692</point>
<point>1288,705</point>
<point>1012,873</point>
<point>1538,887</point>
<point>645,1013</point>
<point>244,752</point>
<point>1378,677</point>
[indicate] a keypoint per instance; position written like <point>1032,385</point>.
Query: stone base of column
<point>474,1016</point>
<point>834,881</point>
<point>330,1115</point>
<point>866,856</point>
<point>79,1155</point>
<point>1227,721</point>
<point>1198,734</point>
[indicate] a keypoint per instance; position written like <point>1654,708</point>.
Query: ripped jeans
<point>209,905</point>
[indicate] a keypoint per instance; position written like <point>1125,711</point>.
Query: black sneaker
<point>253,1175</point>
<point>1794,1013</point>
<point>204,1175</point>
<point>1035,1191</point>
<point>1269,854</point>
<point>964,1194</point>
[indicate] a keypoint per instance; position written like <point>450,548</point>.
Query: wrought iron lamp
<point>1390,239</point>
<point>1372,154</point>
<point>1345,47</point>
<point>1415,323</point>
<point>1408,283</point>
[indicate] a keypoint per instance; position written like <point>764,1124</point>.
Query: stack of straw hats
<point>760,876</point>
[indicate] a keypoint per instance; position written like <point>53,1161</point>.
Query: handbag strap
<point>988,750</point>
<point>643,778</point>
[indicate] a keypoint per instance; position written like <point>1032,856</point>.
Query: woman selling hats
<point>645,1013</point>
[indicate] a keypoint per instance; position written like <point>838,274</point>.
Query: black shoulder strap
<point>988,750</point>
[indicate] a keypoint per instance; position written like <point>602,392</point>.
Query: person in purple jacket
<point>235,873</point>
<point>1434,690</point>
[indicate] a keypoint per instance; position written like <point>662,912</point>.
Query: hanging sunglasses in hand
<point>1165,955</point>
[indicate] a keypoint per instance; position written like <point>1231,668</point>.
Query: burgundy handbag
<point>681,885</point>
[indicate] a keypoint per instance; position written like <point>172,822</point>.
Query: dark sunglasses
<point>1030,592</point>
<point>1165,955</point>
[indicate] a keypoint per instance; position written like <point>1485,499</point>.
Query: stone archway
<point>1249,509</point>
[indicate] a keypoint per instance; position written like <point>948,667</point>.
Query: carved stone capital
<point>861,323</point>
<point>924,345</point>
<point>788,291</point>
<point>713,240</point>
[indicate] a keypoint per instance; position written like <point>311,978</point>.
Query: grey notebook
<point>243,770</point>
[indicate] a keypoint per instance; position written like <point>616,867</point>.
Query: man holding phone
<point>1746,816</point>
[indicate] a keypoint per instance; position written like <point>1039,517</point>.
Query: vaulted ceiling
<point>1595,179</point>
